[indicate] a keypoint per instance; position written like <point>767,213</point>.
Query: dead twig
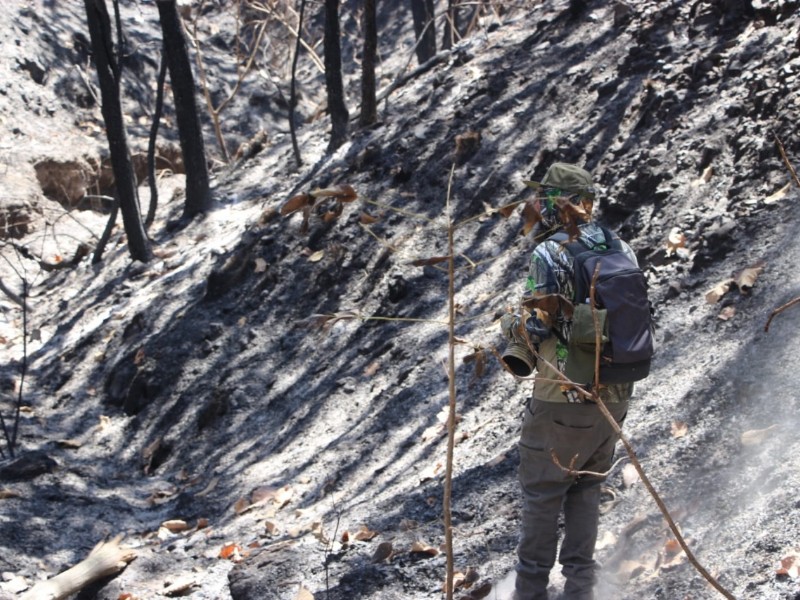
<point>786,160</point>
<point>779,310</point>
<point>106,559</point>
<point>570,470</point>
<point>629,449</point>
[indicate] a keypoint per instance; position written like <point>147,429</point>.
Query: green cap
<point>570,178</point>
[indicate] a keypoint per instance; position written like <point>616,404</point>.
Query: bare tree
<point>333,76</point>
<point>198,193</point>
<point>107,66</point>
<point>369,105</point>
<point>422,12</point>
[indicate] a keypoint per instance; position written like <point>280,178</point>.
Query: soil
<point>260,409</point>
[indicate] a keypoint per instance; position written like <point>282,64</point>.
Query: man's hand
<point>534,332</point>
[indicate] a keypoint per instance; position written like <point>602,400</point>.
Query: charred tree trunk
<point>369,105</point>
<point>422,12</point>
<point>108,75</point>
<point>333,76</point>
<point>293,88</point>
<point>198,192</point>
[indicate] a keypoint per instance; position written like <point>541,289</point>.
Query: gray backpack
<point>624,314</point>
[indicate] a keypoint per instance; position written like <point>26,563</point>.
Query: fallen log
<point>105,559</point>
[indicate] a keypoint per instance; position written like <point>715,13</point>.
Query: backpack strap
<point>578,246</point>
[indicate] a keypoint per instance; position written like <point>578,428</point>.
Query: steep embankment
<point>206,386</point>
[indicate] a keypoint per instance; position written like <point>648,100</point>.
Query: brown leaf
<point>364,534</point>
<point>367,219</point>
<point>718,291</point>
<point>422,262</point>
<point>241,506</point>
<point>508,209</point>
<point>727,313</point>
<point>790,566</point>
<point>295,203</point>
<point>138,359</point>
<point>271,527</point>
<point>342,193</point>
<point>383,552</point>
<point>6,493</point>
<point>551,304</point>
<point>746,278</point>
<point>175,525</point>
<point>672,546</point>
<point>679,429</point>
<point>530,216</point>
<point>261,265</point>
<point>231,551</point>
<point>420,547</point>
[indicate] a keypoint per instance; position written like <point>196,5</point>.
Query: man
<point>558,419</point>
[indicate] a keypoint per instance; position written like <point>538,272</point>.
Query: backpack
<point>623,312</point>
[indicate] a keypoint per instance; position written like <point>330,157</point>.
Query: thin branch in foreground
<point>570,470</point>
<point>779,310</point>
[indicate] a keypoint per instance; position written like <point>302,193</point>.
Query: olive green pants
<point>568,430</point>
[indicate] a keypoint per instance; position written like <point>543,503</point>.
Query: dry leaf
<point>746,278</point>
<point>679,429</point>
<point>202,523</point>
<point>531,216</point>
<point>138,359</point>
<point>316,256</point>
<point>304,594</point>
<point>779,195</point>
<point>790,566</point>
<point>432,472</point>
<point>319,533</point>
<point>261,265</point>
<point>383,552</point>
<point>175,525</point>
<point>6,493</point>
<point>283,496</point>
<point>422,262</point>
<point>704,178</point>
<point>367,219</point>
<point>209,488</point>
<point>420,547</point>
<point>372,368</point>
<point>629,475</point>
<point>672,546</point>
<point>295,203</point>
<point>756,436</point>
<point>718,291</point>
<point>231,552</point>
<point>71,444</point>
<point>342,193</point>
<point>180,588</point>
<point>727,313</point>
<point>675,241</point>
<point>507,210</point>
<point>241,506</point>
<point>364,534</point>
<point>271,527</point>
